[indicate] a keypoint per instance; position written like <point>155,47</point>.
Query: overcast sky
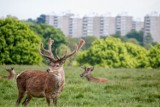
<point>24,9</point>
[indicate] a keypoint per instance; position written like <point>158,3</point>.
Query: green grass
<point>127,88</point>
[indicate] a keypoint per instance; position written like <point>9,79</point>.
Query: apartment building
<point>152,26</point>
<point>75,28</point>
<point>138,25</point>
<point>107,26</point>
<point>123,24</point>
<point>68,24</point>
<point>103,25</point>
<point>87,26</point>
<point>98,26</point>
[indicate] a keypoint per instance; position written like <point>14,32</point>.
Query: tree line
<point>19,42</point>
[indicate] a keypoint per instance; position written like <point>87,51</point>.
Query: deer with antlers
<point>48,84</point>
<point>11,73</point>
<point>89,76</point>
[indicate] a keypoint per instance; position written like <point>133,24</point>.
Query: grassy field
<point>127,88</point>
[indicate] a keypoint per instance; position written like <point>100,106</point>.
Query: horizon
<point>33,9</point>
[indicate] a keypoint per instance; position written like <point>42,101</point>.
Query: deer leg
<point>48,101</point>
<point>26,101</point>
<point>20,96</point>
<point>55,98</point>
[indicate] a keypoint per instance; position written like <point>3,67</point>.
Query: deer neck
<point>59,73</point>
<point>90,77</point>
<point>11,74</point>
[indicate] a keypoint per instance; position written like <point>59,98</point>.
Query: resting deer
<point>48,84</point>
<point>89,77</point>
<point>11,73</point>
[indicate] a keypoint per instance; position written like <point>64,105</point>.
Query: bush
<point>113,53</point>
<point>18,44</point>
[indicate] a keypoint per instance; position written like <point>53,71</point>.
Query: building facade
<point>123,24</point>
<point>152,26</point>
<point>102,25</point>
<point>138,25</point>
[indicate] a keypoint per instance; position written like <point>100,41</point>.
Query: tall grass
<point>127,88</point>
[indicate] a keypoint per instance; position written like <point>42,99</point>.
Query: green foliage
<point>46,32</point>
<point>41,18</point>
<point>154,56</point>
<point>136,35</point>
<point>138,54</point>
<point>112,52</point>
<point>18,44</point>
<point>71,42</point>
<point>126,88</point>
<point>88,41</point>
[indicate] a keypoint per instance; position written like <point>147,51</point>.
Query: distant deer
<point>11,73</point>
<point>48,84</point>
<point>89,77</point>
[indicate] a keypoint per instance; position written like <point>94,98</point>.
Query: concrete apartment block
<point>75,28</point>
<point>87,26</point>
<point>138,25</point>
<point>152,26</point>
<point>123,24</point>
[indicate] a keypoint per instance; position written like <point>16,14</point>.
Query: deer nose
<point>81,75</point>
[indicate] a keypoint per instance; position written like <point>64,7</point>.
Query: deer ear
<point>83,67</point>
<point>92,68</point>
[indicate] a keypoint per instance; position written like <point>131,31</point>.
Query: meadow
<point>126,88</point>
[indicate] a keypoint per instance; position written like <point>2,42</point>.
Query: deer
<point>89,76</point>
<point>11,73</point>
<point>45,84</point>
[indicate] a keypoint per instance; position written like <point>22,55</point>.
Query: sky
<point>24,9</point>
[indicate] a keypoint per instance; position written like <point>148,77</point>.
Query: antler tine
<point>81,43</point>
<point>77,48</point>
<point>50,42</point>
<point>58,58</point>
<point>49,51</point>
<point>72,53</point>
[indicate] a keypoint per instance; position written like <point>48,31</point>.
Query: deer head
<point>56,61</point>
<point>11,73</point>
<point>9,70</point>
<point>86,71</point>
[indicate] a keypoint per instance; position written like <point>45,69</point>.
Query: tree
<point>138,53</point>
<point>18,44</point>
<point>88,40</point>
<point>117,34</point>
<point>41,18</point>
<point>136,35</point>
<point>112,52</point>
<point>46,31</point>
<point>154,56</point>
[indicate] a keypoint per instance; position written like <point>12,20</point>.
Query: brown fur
<point>40,84</point>
<point>11,74</point>
<point>48,83</point>
<point>89,77</point>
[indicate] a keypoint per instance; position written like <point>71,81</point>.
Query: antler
<point>77,48</point>
<point>49,51</point>
<point>50,54</point>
